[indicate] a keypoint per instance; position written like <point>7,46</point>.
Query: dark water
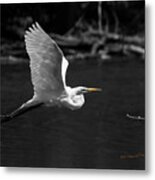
<point>99,135</point>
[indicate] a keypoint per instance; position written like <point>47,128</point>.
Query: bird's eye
<point>84,90</point>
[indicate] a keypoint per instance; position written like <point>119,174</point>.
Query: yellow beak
<point>94,89</point>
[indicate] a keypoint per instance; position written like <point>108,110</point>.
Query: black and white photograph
<point>73,85</point>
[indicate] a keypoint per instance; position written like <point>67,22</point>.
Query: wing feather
<point>47,63</point>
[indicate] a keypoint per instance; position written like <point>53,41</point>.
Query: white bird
<point>48,70</point>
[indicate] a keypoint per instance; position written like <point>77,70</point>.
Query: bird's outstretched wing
<point>47,63</point>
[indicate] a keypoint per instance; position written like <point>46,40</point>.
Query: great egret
<point>48,70</point>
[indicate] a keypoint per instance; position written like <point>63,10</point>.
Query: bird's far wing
<point>46,62</point>
<point>65,64</point>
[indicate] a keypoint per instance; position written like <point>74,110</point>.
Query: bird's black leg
<point>23,109</point>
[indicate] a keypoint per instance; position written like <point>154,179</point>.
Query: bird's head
<point>75,99</point>
<point>82,90</point>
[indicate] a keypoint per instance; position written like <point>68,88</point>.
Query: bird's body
<point>67,98</point>
<point>48,68</point>
<point>72,100</point>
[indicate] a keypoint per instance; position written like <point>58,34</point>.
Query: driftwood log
<point>109,42</point>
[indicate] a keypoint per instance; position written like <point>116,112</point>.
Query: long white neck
<point>72,100</point>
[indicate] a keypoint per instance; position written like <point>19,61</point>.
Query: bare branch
<point>107,22</point>
<point>135,117</point>
<point>100,16</point>
<point>116,21</point>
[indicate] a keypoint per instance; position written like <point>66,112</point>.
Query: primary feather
<point>47,63</point>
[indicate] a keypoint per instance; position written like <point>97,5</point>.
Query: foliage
<point>125,16</point>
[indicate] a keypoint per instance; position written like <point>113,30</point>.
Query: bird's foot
<point>5,118</point>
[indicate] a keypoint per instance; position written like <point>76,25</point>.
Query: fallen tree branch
<point>135,117</point>
<point>132,156</point>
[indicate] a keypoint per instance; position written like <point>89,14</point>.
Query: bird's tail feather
<point>29,105</point>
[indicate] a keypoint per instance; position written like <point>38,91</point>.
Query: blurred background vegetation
<point>82,29</point>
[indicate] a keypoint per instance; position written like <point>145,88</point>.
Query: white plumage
<point>48,70</point>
